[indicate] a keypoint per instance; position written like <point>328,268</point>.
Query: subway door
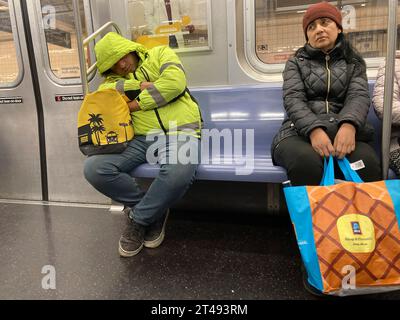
<point>53,36</point>
<point>20,167</point>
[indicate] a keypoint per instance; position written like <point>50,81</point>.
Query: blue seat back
<point>255,107</point>
<point>250,107</point>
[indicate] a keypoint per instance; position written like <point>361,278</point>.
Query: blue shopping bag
<point>348,233</point>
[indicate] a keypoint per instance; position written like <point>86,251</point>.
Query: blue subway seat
<point>246,111</point>
<point>264,171</point>
<point>257,108</point>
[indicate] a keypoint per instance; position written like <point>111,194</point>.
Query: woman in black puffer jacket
<point>326,99</point>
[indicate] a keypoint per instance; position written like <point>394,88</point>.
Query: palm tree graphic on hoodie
<point>124,125</point>
<point>96,125</point>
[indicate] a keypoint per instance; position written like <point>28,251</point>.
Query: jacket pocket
<point>287,130</point>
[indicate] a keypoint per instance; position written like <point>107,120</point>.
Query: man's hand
<point>144,85</point>
<point>133,106</point>
<point>345,140</point>
<point>321,142</point>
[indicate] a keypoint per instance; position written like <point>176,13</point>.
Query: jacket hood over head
<point>112,47</point>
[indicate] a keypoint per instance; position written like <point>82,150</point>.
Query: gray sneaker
<point>131,241</point>
<point>155,232</point>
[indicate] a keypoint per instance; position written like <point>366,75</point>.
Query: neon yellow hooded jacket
<point>166,105</point>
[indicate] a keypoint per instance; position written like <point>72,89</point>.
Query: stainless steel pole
<point>388,90</point>
<point>82,60</point>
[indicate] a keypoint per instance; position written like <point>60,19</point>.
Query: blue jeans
<point>109,174</point>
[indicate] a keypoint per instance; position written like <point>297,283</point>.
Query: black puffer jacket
<point>324,90</point>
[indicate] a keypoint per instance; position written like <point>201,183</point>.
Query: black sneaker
<point>155,232</point>
<point>131,241</point>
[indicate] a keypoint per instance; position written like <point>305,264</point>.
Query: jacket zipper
<point>327,57</point>
<point>146,76</point>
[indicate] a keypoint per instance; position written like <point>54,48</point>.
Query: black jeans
<point>305,167</point>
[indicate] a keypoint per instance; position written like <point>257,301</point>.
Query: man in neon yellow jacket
<point>162,109</point>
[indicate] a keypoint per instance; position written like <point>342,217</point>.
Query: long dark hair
<point>351,54</point>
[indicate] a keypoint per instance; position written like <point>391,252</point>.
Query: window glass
<point>279,30</point>
<point>60,34</point>
<point>182,24</point>
<point>9,68</point>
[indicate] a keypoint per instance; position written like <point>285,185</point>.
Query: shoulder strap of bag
<point>348,172</point>
<point>328,178</point>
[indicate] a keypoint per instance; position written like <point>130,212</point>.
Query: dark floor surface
<point>204,256</point>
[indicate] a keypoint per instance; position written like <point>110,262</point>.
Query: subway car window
<point>9,66</point>
<point>60,37</point>
<point>278,31</point>
<point>184,25</point>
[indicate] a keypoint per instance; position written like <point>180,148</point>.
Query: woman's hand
<point>321,143</point>
<point>345,140</point>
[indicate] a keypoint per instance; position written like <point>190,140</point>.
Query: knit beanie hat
<point>321,10</point>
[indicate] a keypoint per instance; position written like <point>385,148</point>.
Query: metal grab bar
<point>94,35</point>
<point>83,43</point>
<point>100,30</point>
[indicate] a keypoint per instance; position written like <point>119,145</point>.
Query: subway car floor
<point>205,256</point>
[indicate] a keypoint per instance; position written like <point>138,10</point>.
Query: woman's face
<point>322,34</point>
<point>126,65</point>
